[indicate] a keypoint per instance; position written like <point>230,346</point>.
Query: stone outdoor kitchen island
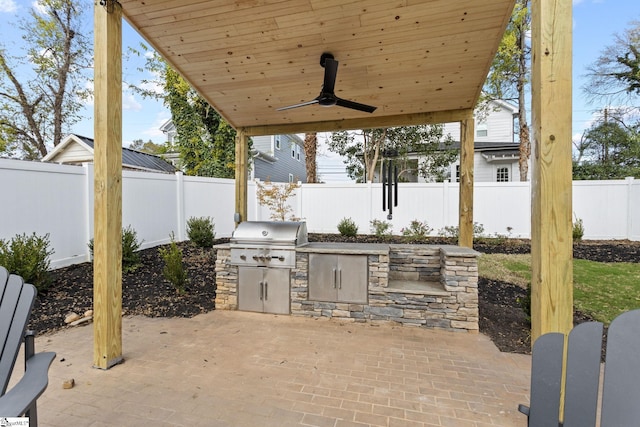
<point>433,286</point>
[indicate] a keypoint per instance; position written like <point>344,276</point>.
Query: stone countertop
<point>370,248</point>
<point>345,248</point>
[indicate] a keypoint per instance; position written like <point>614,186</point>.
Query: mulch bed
<point>146,292</point>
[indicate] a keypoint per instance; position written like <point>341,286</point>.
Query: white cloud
<point>129,102</point>
<point>8,6</point>
<point>154,131</point>
<point>39,7</point>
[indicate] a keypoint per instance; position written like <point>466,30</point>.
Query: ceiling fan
<point>327,97</point>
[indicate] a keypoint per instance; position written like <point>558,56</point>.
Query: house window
<point>290,177</point>
<point>502,174</point>
<point>457,173</point>
<point>293,150</point>
<point>481,129</point>
<point>298,150</point>
<point>276,140</point>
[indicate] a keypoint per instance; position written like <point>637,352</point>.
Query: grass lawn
<point>601,290</point>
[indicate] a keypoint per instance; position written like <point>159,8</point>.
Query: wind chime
<point>389,181</point>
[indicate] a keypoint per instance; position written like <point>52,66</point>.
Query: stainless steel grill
<point>267,244</point>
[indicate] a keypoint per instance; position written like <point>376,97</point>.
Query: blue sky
<point>594,24</point>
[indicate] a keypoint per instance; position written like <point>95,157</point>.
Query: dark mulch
<point>146,292</point>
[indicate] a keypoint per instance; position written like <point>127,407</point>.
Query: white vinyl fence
<point>58,200</point>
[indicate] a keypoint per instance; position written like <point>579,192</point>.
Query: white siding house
<point>496,151</point>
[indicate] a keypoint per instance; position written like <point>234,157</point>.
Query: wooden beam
<point>107,247</point>
<point>242,175</point>
<point>551,226</point>
<point>465,228</point>
<point>434,117</point>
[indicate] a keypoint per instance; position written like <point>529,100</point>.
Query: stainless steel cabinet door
<point>352,279</point>
<point>277,294</point>
<point>322,277</point>
<point>250,288</point>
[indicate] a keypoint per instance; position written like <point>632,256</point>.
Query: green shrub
<point>201,231</point>
<point>347,227</point>
<point>525,303</point>
<point>416,229</point>
<point>453,230</point>
<point>27,256</point>
<point>173,269</point>
<point>130,247</point>
<point>578,230</point>
<point>381,228</point>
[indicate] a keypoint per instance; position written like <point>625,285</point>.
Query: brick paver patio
<point>230,368</point>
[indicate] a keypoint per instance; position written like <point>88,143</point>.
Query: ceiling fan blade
<point>355,105</point>
<point>330,72</point>
<point>303,104</point>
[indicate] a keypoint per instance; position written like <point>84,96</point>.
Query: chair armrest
<point>33,383</point>
<point>524,409</point>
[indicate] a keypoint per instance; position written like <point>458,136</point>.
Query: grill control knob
<point>243,257</point>
<point>280,258</point>
<point>255,257</point>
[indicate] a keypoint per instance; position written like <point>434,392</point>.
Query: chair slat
<point>621,390</point>
<point>546,374</point>
<point>583,375</point>
<point>15,309</point>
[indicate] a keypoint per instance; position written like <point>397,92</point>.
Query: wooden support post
<point>551,226</point>
<point>107,247</point>
<point>465,227</point>
<point>242,175</point>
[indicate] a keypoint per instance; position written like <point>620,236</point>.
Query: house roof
<point>417,61</point>
<point>131,159</point>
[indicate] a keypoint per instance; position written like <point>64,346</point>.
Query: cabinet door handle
<point>261,290</point>
<point>340,279</point>
<point>266,290</point>
<point>335,278</point>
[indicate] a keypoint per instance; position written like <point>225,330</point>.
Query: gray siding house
<point>278,158</point>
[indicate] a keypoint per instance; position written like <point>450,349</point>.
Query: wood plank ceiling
<point>250,57</point>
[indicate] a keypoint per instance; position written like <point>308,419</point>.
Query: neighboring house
<point>279,158</point>
<point>496,152</point>
<point>76,149</point>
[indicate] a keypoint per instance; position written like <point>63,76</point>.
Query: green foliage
<point>608,150</point>
<point>362,151</point>
<point>578,230</point>
<point>130,246</point>
<point>201,231</point>
<point>27,256</point>
<point>417,229</point>
<point>149,147</point>
<point>42,88</point>
<point>454,231</point>
<point>205,141</point>
<point>173,269</point>
<point>381,228</point>
<point>347,227</point>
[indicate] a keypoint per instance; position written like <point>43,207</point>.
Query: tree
<point>608,150</point>
<point>205,141</point>
<point>310,151</point>
<point>36,107</point>
<point>615,75</point>
<point>509,75</point>
<point>363,150</point>
<point>149,147</point>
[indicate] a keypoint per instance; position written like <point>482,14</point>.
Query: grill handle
<point>340,279</point>
<point>335,279</point>
<point>266,290</point>
<point>261,290</point>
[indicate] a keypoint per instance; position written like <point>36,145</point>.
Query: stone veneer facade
<point>414,285</point>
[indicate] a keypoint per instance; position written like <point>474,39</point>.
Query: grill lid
<point>270,233</point>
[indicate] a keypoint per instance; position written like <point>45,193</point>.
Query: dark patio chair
<point>16,302</point>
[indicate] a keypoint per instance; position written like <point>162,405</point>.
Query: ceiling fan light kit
<point>327,96</point>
